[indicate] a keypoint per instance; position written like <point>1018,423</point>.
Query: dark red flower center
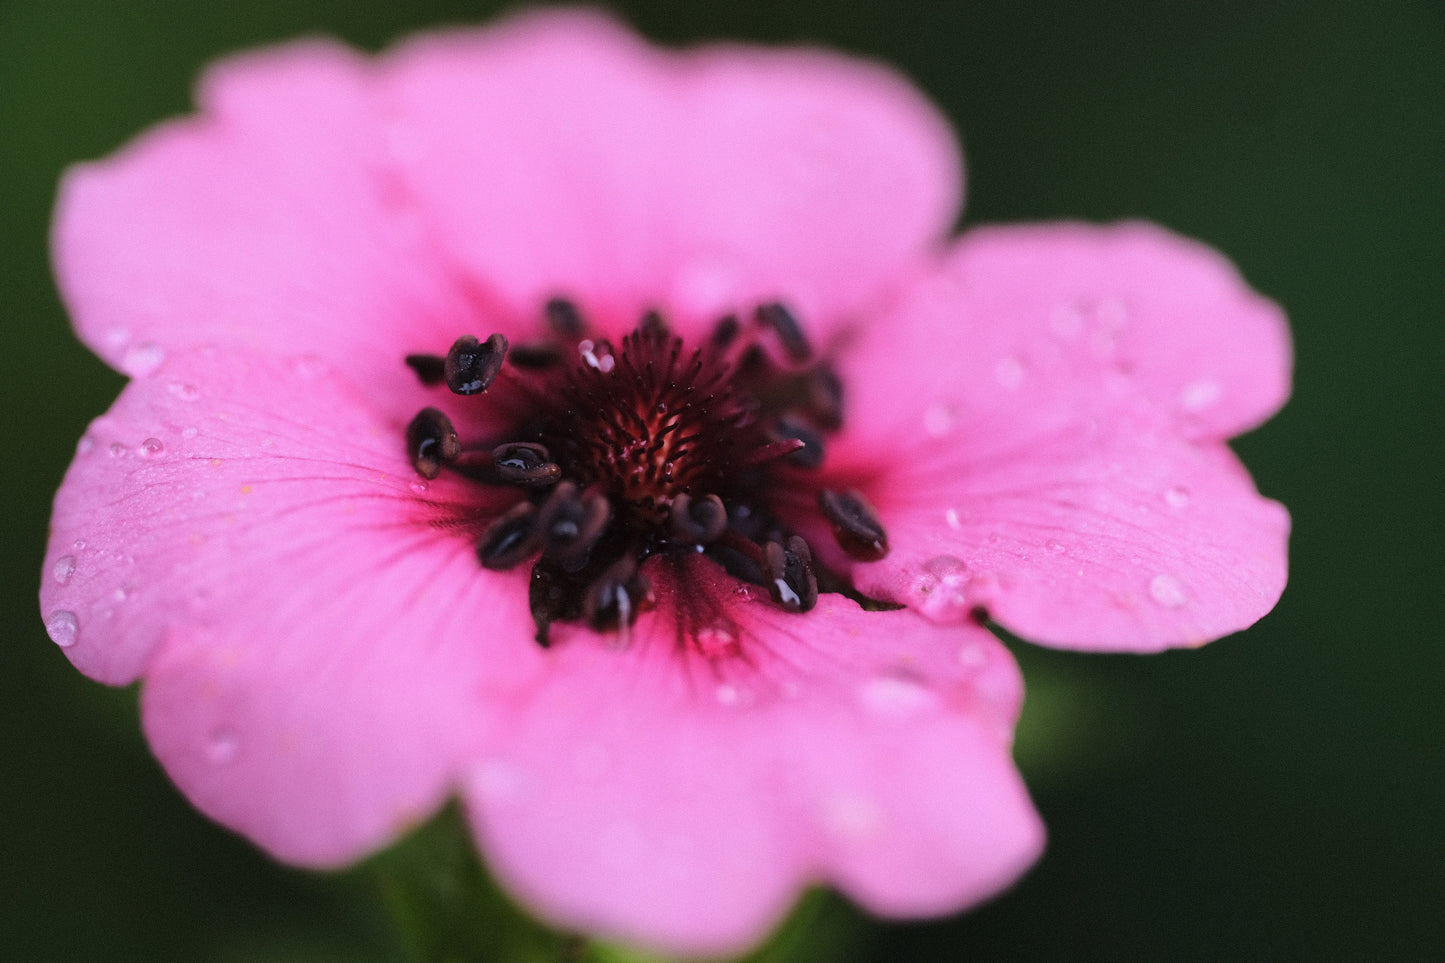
<point>617,454</point>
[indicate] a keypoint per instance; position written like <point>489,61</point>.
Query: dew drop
<point>151,448</point>
<point>1009,372</point>
<point>141,359</point>
<point>63,568</point>
<point>222,745</point>
<point>938,420</point>
<point>418,486</point>
<point>951,517</point>
<point>78,544</point>
<point>895,695</point>
<point>184,390</point>
<point>729,694</point>
<point>850,815</point>
<point>63,627</point>
<point>119,450</point>
<point>743,593</point>
<point>715,641</point>
<point>1055,546</point>
<point>1167,591</point>
<point>1200,395</point>
<point>1176,497</point>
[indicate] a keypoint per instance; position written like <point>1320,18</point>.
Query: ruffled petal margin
<point>680,791</point>
<point>321,651</point>
<point>1051,455</point>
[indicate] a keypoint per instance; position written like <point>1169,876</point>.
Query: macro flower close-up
<point>618,440</point>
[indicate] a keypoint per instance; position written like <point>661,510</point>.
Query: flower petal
<point>269,221</point>
<point>321,652</point>
<point>1108,534</point>
<point>558,152</point>
<point>1054,321</point>
<point>680,791</point>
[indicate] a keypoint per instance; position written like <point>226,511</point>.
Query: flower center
<point>655,447</point>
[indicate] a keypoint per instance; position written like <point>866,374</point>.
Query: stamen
<point>697,521</point>
<point>653,327</point>
<point>855,524</point>
<point>429,368</point>
<point>432,441</point>
<point>790,333</point>
<point>564,319</point>
<point>472,365</point>
<point>571,524</point>
<point>726,331</point>
<point>528,465</point>
<point>615,598</point>
<point>789,428</point>
<point>511,539</point>
<point>825,398</point>
<point>789,574</point>
<point>535,355</point>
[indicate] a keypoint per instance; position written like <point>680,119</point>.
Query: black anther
<point>788,572</point>
<point>790,427</point>
<point>616,596</point>
<point>572,523</point>
<point>511,539</point>
<point>825,398</point>
<point>652,326</point>
<point>564,318</point>
<point>432,442</point>
<point>855,524</point>
<point>790,333</point>
<point>726,331</point>
<point>535,355</point>
<point>525,464</point>
<point>696,521</point>
<point>429,368</point>
<point>472,365</point>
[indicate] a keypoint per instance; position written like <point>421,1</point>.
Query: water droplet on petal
<point>938,420</point>
<point>1009,373</point>
<point>141,359</point>
<point>78,544</point>
<point>119,450</point>
<point>63,628</point>
<point>951,517</point>
<point>1200,395</point>
<point>419,486</point>
<point>184,390</point>
<point>151,448</point>
<point>743,593</point>
<point>63,568</point>
<point>222,745</point>
<point>850,815</point>
<point>729,694</point>
<point>1167,591</point>
<point>1055,546</point>
<point>1177,497</point>
<point>896,695</point>
<point>715,641</point>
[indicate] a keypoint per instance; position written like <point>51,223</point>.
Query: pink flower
<point>335,611</point>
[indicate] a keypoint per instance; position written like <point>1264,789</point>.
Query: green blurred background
<point>1277,795</point>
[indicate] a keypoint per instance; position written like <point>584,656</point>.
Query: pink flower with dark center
<point>614,438</point>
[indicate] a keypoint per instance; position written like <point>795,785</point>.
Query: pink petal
<point>679,792</point>
<point>1106,534</point>
<point>1051,321</point>
<point>558,152</point>
<point>269,221</point>
<point>320,656</point>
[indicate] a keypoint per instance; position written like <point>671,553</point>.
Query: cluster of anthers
<point>616,456</point>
